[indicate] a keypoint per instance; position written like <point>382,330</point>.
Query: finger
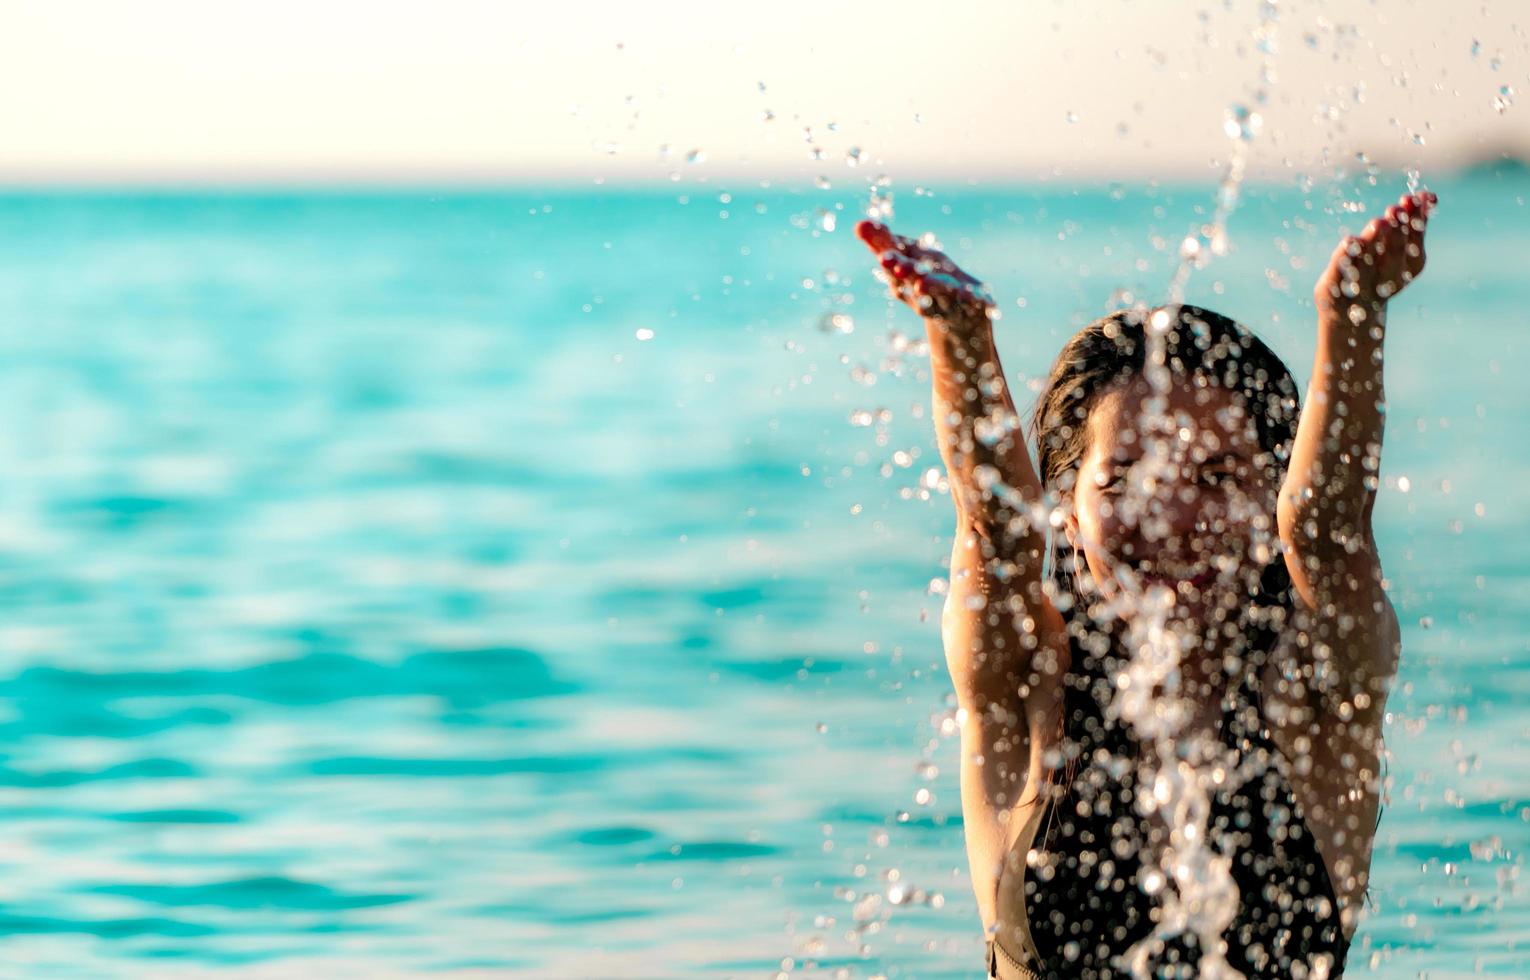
<point>1410,205</point>
<point>1417,207</point>
<point>880,238</point>
<point>899,267</point>
<point>877,236</point>
<point>1392,215</point>
<point>933,258</point>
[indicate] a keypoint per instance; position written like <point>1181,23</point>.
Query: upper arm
<point>1006,650</point>
<point>1325,694</point>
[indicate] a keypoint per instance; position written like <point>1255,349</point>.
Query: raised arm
<point>1332,689</point>
<point>1004,640</point>
<point>1330,488</point>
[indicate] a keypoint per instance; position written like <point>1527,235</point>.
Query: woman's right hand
<point>926,279</point>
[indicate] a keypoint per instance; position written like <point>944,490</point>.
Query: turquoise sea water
<point>374,601</point>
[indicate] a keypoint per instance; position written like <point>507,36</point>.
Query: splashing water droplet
<point>880,205</point>
<point>696,156</point>
<point>1504,99</point>
<point>853,157</point>
<point>837,323</point>
<point>1242,122</point>
<point>643,333</point>
<point>827,219</point>
<point>1071,117</point>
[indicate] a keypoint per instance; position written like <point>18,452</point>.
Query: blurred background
<point>468,508</point>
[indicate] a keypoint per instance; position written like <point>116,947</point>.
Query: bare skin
<point>1002,634</point>
<point>1004,639</point>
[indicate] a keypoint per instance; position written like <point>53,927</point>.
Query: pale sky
<point>347,90</point>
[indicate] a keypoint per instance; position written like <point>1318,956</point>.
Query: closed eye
<point>1227,471</point>
<point>1114,482</point>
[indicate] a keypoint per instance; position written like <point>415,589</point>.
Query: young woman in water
<point>1189,505</point>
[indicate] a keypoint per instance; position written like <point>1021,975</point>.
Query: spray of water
<point>1191,873</point>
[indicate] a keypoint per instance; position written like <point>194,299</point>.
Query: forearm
<point>981,441</point>
<point>1330,485</point>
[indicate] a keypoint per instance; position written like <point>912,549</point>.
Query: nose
<point>1174,517</point>
<point>1182,510</point>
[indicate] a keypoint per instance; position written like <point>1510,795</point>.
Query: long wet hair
<point>1200,346</point>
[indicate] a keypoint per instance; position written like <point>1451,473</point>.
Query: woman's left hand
<point>1368,269</point>
<point>926,278</point>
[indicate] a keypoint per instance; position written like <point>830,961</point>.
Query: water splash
<point>1203,898</point>
<point>1191,873</point>
<point>880,205</point>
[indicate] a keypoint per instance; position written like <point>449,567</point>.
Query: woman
<point>1213,619</point>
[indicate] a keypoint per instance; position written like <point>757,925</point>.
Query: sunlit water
<point>526,583</point>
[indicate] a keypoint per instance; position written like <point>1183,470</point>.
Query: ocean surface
<point>524,582</point>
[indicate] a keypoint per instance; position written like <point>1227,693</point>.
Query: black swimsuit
<point>1078,905</point>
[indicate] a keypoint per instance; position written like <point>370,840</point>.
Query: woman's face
<point>1182,501</point>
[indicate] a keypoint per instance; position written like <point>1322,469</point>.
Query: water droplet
<point>853,157</point>
<point>837,323</point>
<point>1503,99</point>
<point>1071,117</point>
<point>1242,122</point>
<point>880,205</point>
<point>696,156</point>
<point>1404,484</point>
<point>923,796</point>
<point>1426,622</point>
<point>643,333</point>
<point>827,220</point>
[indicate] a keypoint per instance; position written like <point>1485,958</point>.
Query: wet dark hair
<point>1200,345</point>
